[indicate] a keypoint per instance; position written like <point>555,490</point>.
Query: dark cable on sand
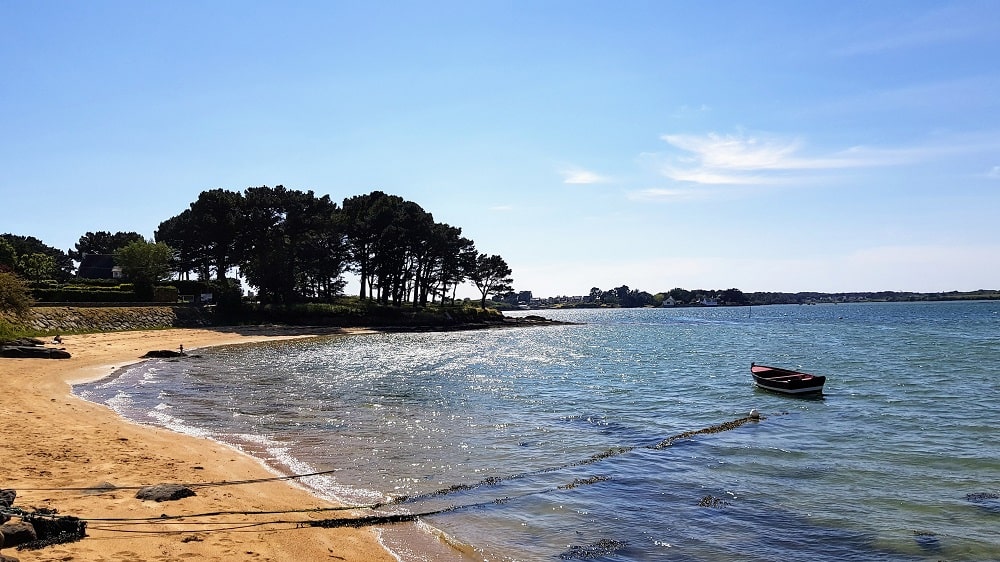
<point>93,489</point>
<point>375,520</point>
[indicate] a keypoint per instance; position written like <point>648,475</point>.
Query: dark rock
<point>17,533</point>
<point>33,351</point>
<point>6,500</point>
<point>23,341</point>
<point>164,492</point>
<point>162,353</point>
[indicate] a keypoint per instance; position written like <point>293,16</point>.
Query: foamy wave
<point>159,417</point>
<point>119,402</point>
<point>277,457</point>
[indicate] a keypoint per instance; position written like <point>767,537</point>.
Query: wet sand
<point>52,440</point>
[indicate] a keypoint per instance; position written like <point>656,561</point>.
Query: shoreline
<point>55,440</point>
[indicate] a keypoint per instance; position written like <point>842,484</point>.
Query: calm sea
<point>545,438</point>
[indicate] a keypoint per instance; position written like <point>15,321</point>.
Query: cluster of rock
<point>31,348</point>
<point>41,528</point>
<point>35,529</point>
<point>56,319</point>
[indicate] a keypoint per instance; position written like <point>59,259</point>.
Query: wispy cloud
<point>581,176</point>
<point>662,194</point>
<point>741,159</point>
<point>994,173</point>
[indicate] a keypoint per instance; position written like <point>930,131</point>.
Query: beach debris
<point>164,492</point>
<point>51,529</point>
<point>584,482</point>
<point>712,429</point>
<point>603,547</point>
<point>989,501</point>
<point>36,529</point>
<point>927,540</point>
<point>712,501</point>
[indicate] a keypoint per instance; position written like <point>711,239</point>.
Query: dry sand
<point>52,439</point>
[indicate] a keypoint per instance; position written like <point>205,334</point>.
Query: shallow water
<point>880,468</point>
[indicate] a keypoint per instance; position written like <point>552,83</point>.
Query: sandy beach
<point>53,440</point>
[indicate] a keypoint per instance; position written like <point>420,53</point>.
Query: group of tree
<point>293,246</point>
<point>289,245</point>
<point>625,297</point>
<point>31,260</point>
<point>622,297</point>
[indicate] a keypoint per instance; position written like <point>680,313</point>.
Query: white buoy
<point>754,414</point>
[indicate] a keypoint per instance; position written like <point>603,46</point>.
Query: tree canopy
<point>293,246</point>
<point>491,275</point>
<point>28,257</point>
<point>144,264</point>
<point>103,242</point>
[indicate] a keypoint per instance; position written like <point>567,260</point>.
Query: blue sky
<point>767,146</point>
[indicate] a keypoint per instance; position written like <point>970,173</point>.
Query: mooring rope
<point>220,483</point>
<point>352,522</point>
<point>607,454</point>
<point>364,521</point>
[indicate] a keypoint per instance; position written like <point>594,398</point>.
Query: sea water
<point>545,438</point>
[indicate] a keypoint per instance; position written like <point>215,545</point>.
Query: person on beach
<point>182,349</point>
<point>57,339</point>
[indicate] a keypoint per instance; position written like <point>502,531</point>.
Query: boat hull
<point>786,381</point>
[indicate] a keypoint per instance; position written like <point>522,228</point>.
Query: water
<point>897,461</point>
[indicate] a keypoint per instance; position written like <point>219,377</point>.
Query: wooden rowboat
<point>786,381</point>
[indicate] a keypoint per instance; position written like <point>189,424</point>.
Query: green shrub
<point>8,331</point>
<point>165,294</point>
<point>15,296</point>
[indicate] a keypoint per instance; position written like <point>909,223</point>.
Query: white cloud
<point>994,173</point>
<point>581,176</point>
<point>661,194</point>
<point>714,159</point>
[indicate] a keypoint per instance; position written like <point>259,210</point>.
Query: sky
<point>790,146</point>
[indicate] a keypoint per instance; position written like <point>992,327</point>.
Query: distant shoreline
<point>769,298</point>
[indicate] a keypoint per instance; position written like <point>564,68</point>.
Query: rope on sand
<point>364,521</point>
<point>93,489</point>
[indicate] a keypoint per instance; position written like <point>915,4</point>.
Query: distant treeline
<point>879,296</point>
<point>624,297</point>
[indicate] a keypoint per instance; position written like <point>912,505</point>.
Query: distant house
<point>669,301</point>
<point>98,266</point>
